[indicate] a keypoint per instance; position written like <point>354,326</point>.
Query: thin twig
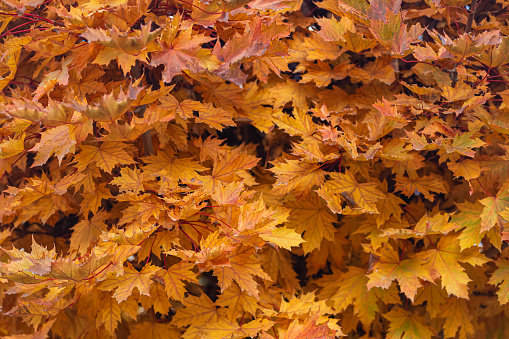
<point>471,16</point>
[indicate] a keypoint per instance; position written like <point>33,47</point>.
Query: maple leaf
<point>467,169</point>
<point>463,144</point>
<point>499,278</point>
<point>490,215</point>
<point>214,117</point>
<point>109,313</point>
<point>424,185</point>
<point>131,134</point>
<point>130,180</point>
<point>12,147</point>
<point>87,232</point>
<point>352,290</point>
<point>390,267</point>
<point>109,108</point>
<point>405,325</point>
<point>242,269</point>
<point>297,177</point>
<point>278,265</point>
<point>226,329</point>
<point>312,218</point>
<point>154,330</point>
<point>125,47</point>
<point>182,51</point>
<point>458,318</point>
<point>228,166</point>
<point>197,311</point>
<point>365,195</point>
<point>106,156</point>
<point>124,284</point>
<point>60,141</point>
<point>444,262</point>
<point>164,164</point>
<point>313,327</point>
<point>37,262</point>
<point>238,302</point>
<point>298,306</point>
<point>172,279</point>
<point>283,237</point>
<point>434,296</point>
<point>158,299</point>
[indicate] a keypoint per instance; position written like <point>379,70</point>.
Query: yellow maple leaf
<point>407,272</point>
<point>109,312</point>
<point>158,299</point>
<point>242,269</point>
<point>155,330</point>
<point>312,218</point>
<point>283,237</point>
<point>171,166</point>
<point>106,156</point>
<point>87,232</point>
<point>457,318</point>
<point>434,296</point>
<point>237,302</point>
<point>197,311</point>
<point>298,306</point>
<point>405,325</point>
<point>131,278</point>
<point>228,329</point>
<point>173,280</point>
<point>425,185</point>
<point>443,261</point>
<point>314,326</point>
<point>297,177</point>
<point>365,195</point>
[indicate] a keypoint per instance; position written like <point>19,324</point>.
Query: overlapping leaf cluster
<point>254,168</point>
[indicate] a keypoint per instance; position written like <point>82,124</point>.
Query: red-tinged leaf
<point>182,51</point>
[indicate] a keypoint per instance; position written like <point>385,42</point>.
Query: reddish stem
<point>454,18</point>
<point>25,31</point>
<point>79,296</point>
<point>195,229</point>
<point>192,241</point>
<point>432,243</point>
<point>96,274</point>
<point>499,75</point>
<point>40,18</point>
<point>192,223</point>
<point>23,24</point>
<point>403,251</point>
<point>484,189</point>
<point>213,217</point>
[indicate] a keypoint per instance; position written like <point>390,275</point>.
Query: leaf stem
<point>484,189</point>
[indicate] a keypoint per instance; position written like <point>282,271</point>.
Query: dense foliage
<point>254,168</point>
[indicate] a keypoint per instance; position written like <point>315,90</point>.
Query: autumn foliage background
<point>254,168</point>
